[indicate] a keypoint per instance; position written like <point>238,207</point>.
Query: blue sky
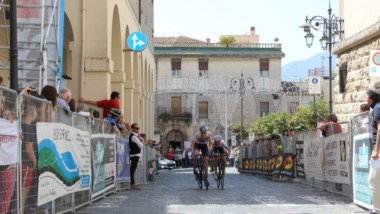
<point>201,19</point>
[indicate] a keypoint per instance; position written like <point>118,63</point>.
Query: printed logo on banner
<point>103,164</point>
<point>8,142</point>
<point>63,161</point>
<point>122,160</point>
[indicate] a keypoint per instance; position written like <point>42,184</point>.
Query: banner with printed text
<point>122,160</point>
<point>336,158</point>
<point>312,153</point>
<point>9,141</point>
<point>63,161</point>
<point>103,163</point>
<point>360,173</point>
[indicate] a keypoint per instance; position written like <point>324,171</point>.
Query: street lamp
<point>240,85</point>
<point>331,32</point>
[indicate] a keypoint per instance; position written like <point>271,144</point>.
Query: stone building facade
<point>361,35</point>
<point>181,106</point>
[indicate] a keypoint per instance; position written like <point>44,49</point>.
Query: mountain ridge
<point>299,70</point>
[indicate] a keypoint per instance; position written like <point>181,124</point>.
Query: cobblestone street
<point>175,191</point>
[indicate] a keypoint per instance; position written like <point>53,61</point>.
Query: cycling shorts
<point>219,150</point>
<point>201,147</point>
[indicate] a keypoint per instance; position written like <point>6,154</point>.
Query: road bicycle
<point>200,172</point>
<point>219,169</point>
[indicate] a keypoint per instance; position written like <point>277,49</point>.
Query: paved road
<point>175,191</point>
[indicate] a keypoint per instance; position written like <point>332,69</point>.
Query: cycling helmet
<point>217,138</point>
<point>203,129</point>
<point>115,112</point>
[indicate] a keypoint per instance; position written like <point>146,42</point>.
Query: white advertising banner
<point>63,161</point>
<point>336,158</point>
<point>313,153</point>
<point>9,141</point>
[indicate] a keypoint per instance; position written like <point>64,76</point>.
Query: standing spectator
<point>373,101</point>
<point>364,126</point>
<point>49,93</point>
<point>29,142</point>
<point>105,104</point>
<point>332,126</point>
<point>157,149</point>
<point>185,156</point>
<point>232,157</point>
<point>64,98</point>
<point>171,153</point>
<point>72,105</point>
<point>135,146</point>
<point>1,81</point>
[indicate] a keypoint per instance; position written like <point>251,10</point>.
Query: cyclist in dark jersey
<point>219,146</point>
<point>201,143</point>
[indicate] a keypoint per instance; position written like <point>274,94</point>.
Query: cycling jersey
<point>202,139</point>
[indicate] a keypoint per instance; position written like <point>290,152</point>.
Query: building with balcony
<point>193,75</point>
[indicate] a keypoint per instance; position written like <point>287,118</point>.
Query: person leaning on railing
<point>332,126</point>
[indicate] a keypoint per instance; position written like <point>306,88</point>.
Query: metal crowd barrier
<point>19,181</point>
<point>262,157</point>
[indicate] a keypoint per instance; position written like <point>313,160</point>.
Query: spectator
<point>105,104</point>
<point>1,81</point>
<point>50,94</point>
<point>64,98</point>
<point>29,142</point>
<point>135,146</point>
<point>114,119</point>
<point>171,153</point>
<point>332,126</point>
<point>232,157</point>
<point>72,105</point>
<point>364,127</point>
<point>373,101</point>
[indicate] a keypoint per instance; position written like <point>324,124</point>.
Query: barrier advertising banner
<point>360,165</point>
<point>63,161</point>
<point>300,160</point>
<point>8,142</point>
<point>313,149</point>
<point>336,158</point>
<point>122,160</point>
<point>103,163</point>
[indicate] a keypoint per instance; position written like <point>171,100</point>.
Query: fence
<point>336,161</point>
<point>62,148</point>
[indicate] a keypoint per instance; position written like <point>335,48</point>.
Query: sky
<point>201,19</point>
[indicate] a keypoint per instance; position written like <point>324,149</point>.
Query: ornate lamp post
<point>331,32</point>
<point>241,85</point>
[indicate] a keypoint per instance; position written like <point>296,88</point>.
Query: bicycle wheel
<point>200,176</point>
<point>221,178</point>
<point>217,176</point>
<point>207,184</point>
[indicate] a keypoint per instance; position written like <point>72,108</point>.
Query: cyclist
<point>219,146</point>
<point>201,143</point>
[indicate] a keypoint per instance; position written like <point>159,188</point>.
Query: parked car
<point>166,164</point>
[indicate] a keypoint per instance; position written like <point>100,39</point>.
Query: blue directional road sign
<point>137,41</point>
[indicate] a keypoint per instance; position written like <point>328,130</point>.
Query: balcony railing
<point>173,112</point>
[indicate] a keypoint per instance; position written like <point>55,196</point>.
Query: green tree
<point>236,127</point>
<point>227,40</point>
<point>272,124</point>
<point>305,117</point>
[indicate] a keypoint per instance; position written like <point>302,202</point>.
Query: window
<point>176,67</point>
<point>293,107</point>
<point>264,109</point>
<point>264,67</point>
<point>203,109</point>
<point>342,78</point>
<point>176,106</point>
<point>203,67</point>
